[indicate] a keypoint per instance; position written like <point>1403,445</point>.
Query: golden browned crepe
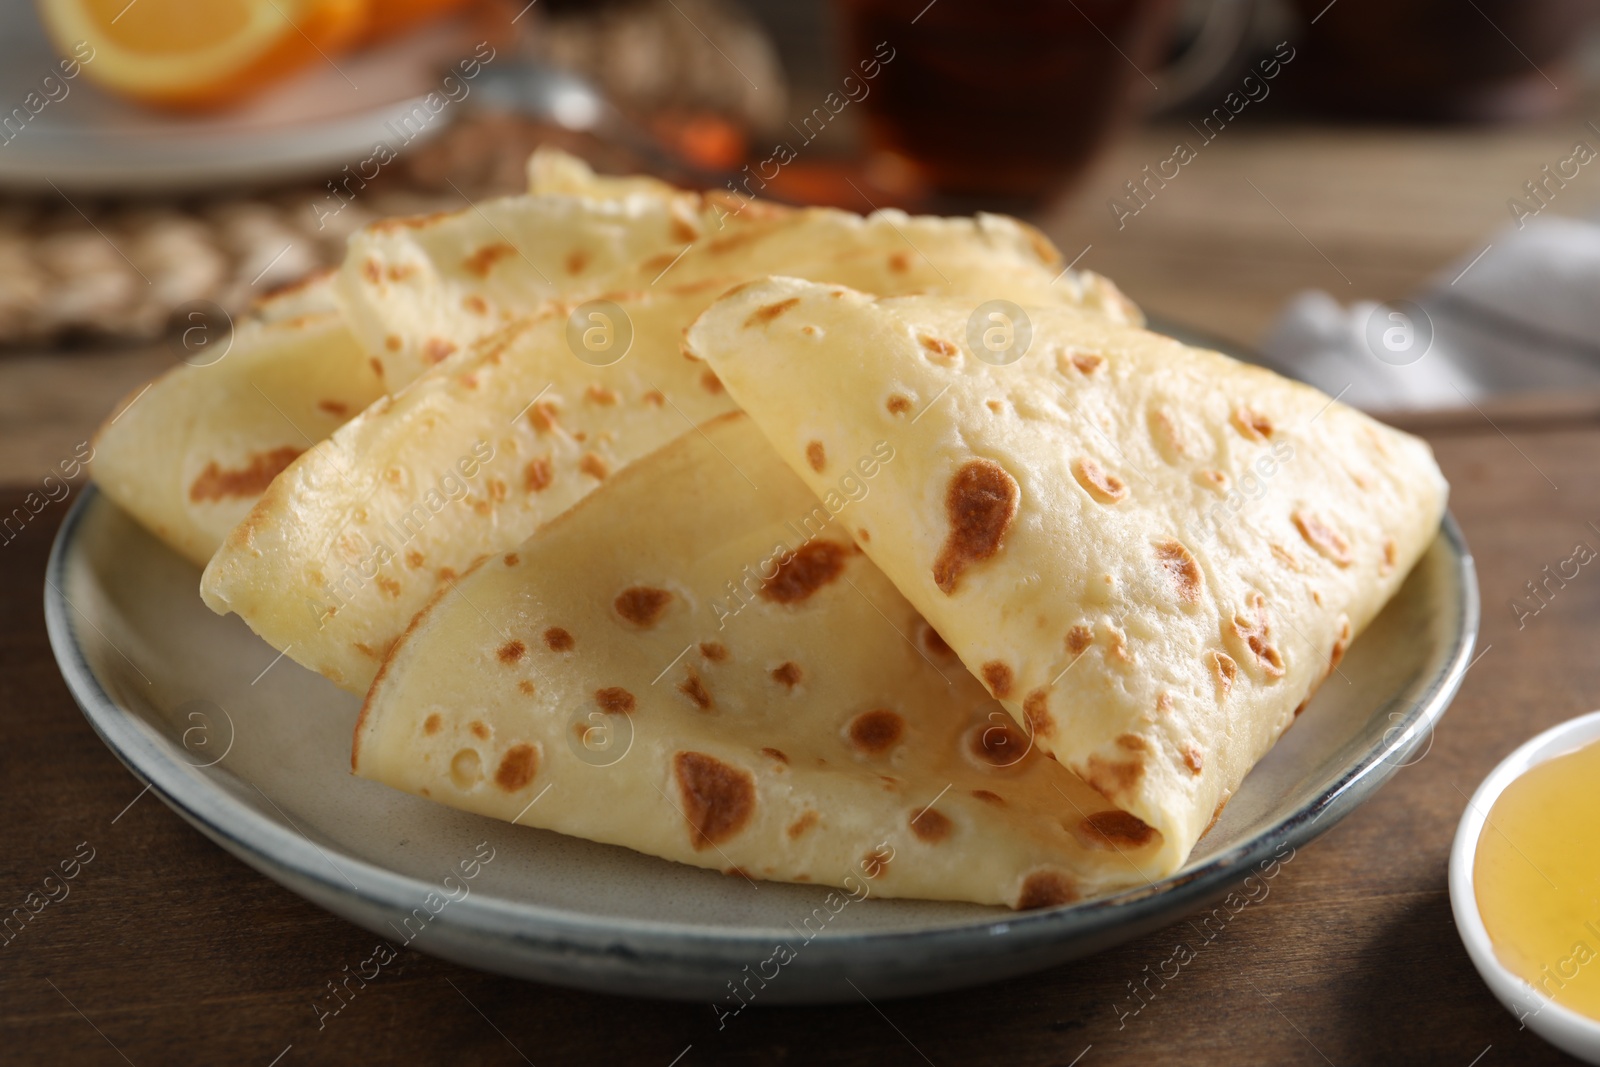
<point>1152,554</point>
<point>598,681</point>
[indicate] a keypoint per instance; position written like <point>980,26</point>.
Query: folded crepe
<point>1150,553</point>
<point>193,455</point>
<point>588,683</point>
<point>356,535</point>
<point>417,289</point>
<point>189,454</point>
<point>332,564</point>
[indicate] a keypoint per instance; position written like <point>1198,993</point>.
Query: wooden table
<point>170,951</point>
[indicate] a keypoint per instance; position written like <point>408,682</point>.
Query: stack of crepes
<point>722,531</point>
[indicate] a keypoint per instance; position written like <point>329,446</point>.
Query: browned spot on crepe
<point>577,259</point>
<point>1078,639</point>
<point>218,483</point>
<point>1180,568</point>
<point>642,605</point>
<point>537,475</point>
<point>1224,670</point>
<point>430,725</point>
<point>1116,829</point>
<point>997,676</point>
<point>874,864</point>
<point>1111,778</point>
<point>1341,641</point>
<point>998,743</point>
<point>808,569</point>
<point>1192,759</point>
<point>1252,628</point>
<point>511,651</point>
<point>939,350</point>
<point>1102,486</point>
<point>714,651</point>
<point>392,342</point>
<point>479,730</point>
<point>483,260</point>
<point>415,559</point>
<point>595,467</point>
<point>615,700</point>
<point>475,304</point>
<point>934,644</point>
<point>525,687</point>
<point>806,821</point>
<point>875,732</point>
<point>599,394</point>
<point>931,826</point>
<point>337,408</point>
<point>511,559</point>
<point>816,455</point>
<point>1087,362</point>
<point>1251,423</point>
<point>372,271</point>
<point>979,505</point>
<point>389,586</point>
<point>1046,889</point>
<point>544,416</point>
<point>558,640</point>
<point>517,767</point>
<point>990,797</point>
<point>761,316</point>
<point>1391,556</point>
<point>437,349</point>
<point>695,689</point>
<point>897,404</point>
<point>1328,542</point>
<point>1135,743</point>
<point>899,262</point>
<point>787,674</point>
<point>717,799</point>
<point>775,753</point>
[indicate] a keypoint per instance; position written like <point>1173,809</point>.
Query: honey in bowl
<point>1537,877</point>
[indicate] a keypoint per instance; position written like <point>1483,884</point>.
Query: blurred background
<point>1282,176</point>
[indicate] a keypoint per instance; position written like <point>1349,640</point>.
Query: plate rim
<point>279,853</point>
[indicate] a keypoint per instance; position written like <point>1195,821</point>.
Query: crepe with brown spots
<point>467,461</point>
<point>188,454</point>
<point>1151,553</point>
<point>829,744</point>
<point>322,568</point>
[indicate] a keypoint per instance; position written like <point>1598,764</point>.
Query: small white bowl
<point>1578,1035</point>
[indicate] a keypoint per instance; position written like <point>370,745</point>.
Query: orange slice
<point>200,53</point>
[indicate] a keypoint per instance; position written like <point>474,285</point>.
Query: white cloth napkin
<point>1523,314</point>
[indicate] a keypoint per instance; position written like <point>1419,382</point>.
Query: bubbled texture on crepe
<point>465,462</point>
<point>1153,554</point>
<point>805,738</point>
<point>285,569</point>
<point>190,454</point>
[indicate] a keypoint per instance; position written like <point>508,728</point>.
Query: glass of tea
<point>1003,101</point>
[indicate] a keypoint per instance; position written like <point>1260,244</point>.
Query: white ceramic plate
<point>259,762</point>
<point>1564,1028</point>
<point>315,123</point>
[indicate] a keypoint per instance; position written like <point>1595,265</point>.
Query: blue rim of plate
<point>279,852</point>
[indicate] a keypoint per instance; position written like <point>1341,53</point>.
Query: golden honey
<point>1537,873</point>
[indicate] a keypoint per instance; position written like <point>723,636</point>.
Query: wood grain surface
<point>167,950</point>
